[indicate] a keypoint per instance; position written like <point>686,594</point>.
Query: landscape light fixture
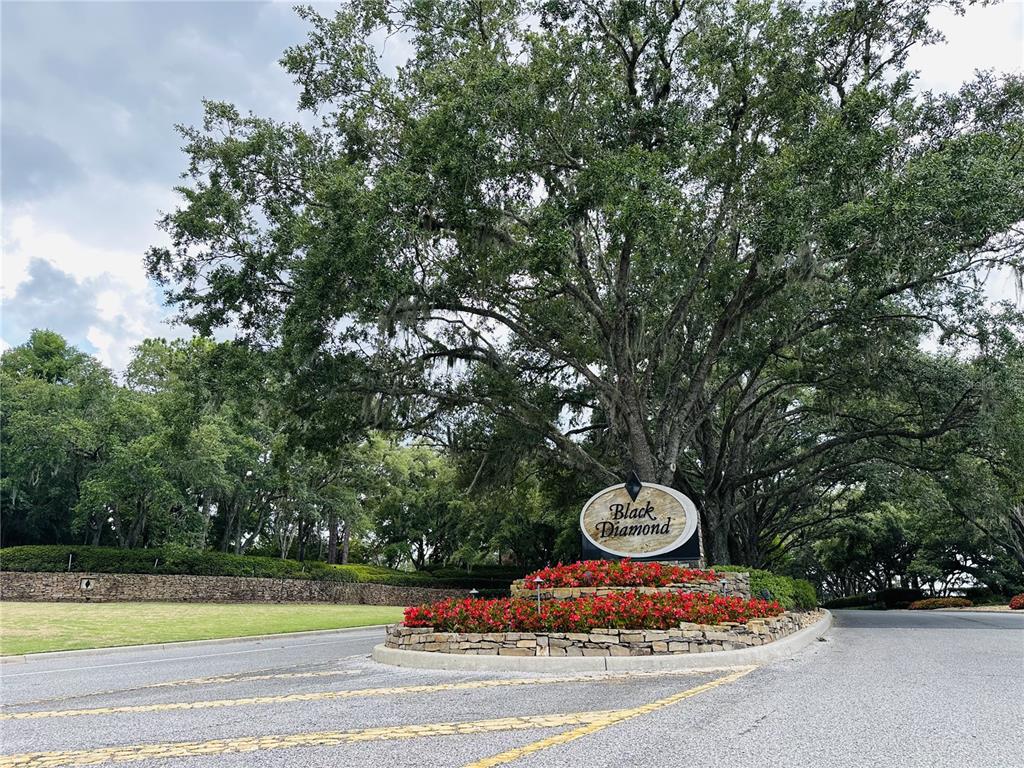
<point>536,585</point>
<point>474,592</point>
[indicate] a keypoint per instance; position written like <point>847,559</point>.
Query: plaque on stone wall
<point>638,519</point>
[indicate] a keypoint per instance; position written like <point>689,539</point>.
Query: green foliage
<point>700,240</point>
<point>417,506</point>
<point>952,523</point>
<point>55,424</point>
<point>704,241</point>
<point>896,598</point>
<point>794,594</point>
<point>185,454</point>
<point>855,601</point>
<point>166,560</point>
<point>181,560</point>
<point>982,595</point>
<point>899,597</point>
<point>804,594</point>
<point>872,549</point>
<point>932,603</point>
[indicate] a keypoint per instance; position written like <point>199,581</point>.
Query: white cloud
<point>26,238</point>
<point>109,349</point>
<point>91,154</point>
<point>95,296</point>
<point>985,37</point>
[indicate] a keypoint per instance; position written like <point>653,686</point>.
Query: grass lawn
<point>38,627</point>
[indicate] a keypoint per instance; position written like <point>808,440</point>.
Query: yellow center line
<point>329,695</point>
<point>243,677</point>
<point>581,724</point>
<point>599,724</point>
<point>240,677</point>
<point>132,753</point>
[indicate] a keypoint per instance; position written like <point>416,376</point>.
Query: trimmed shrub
<point>981,595</point>
<point>931,603</point>
<point>164,560</point>
<point>794,594</point>
<point>804,594</point>
<point>869,599</point>
<point>899,597</point>
<point>1017,602</point>
<point>181,561</point>
<point>497,573</point>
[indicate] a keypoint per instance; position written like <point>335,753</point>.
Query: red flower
<point>623,573</point>
<point>620,610</point>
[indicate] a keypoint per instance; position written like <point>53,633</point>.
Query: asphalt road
<point>884,689</point>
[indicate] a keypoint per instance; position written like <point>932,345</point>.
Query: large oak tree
<point>701,240</point>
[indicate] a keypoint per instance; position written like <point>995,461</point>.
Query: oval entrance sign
<point>657,521</point>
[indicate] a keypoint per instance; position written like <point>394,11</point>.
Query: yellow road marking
<point>239,677</point>
<point>245,678</point>
<point>166,750</point>
<point>327,695</point>
<point>585,723</point>
<point>599,724</point>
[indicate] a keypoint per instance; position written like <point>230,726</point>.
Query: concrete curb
<point>780,649</point>
<point>177,644</point>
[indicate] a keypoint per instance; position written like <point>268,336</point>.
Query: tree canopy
<point>704,241</point>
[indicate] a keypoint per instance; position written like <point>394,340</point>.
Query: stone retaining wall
<point>112,587</point>
<point>728,584</point>
<point>687,638</point>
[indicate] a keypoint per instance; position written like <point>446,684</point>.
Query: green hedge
<point>490,577</point>
<point>794,594</point>
<point>867,600</point>
<point>490,581</point>
<point>178,560</point>
<point>883,599</point>
<point>888,599</point>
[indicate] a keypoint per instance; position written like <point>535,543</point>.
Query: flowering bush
<point>610,573</point>
<point>932,603</point>
<point>621,610</point>
<point>1017,602</point>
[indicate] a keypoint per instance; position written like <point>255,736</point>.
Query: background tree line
<point>182,454</point>
<point>730,246</point>
<point>192,449</point>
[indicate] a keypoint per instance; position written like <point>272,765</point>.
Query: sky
<point>90,93</point>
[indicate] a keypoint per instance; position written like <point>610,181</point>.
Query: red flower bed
<point>611,573</point>
<point>622,610</point>
<point>1017,602</point>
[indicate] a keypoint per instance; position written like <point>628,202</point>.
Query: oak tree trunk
<point>332,538</point>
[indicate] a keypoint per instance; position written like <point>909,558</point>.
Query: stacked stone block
<point>728,584</point>
<point>112,587</point>
<point>686,638</point>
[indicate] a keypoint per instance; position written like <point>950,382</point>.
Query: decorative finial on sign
<point>633,485</point>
